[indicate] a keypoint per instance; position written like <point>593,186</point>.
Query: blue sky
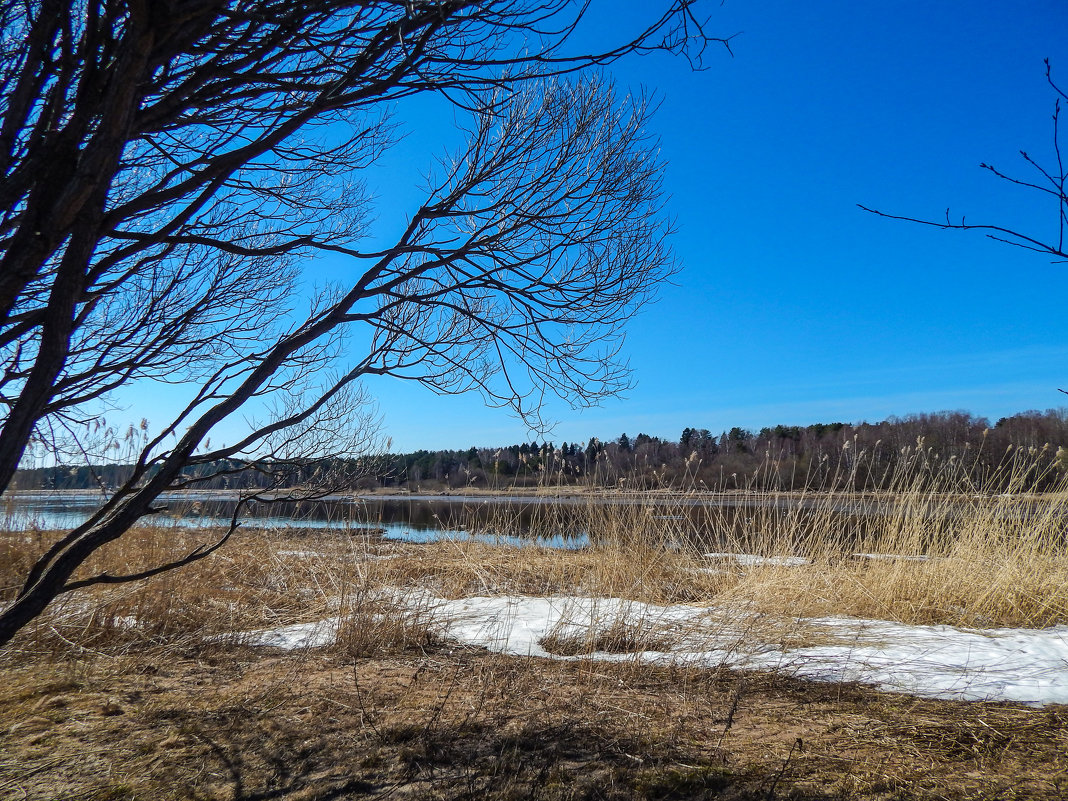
<point>794,306</point>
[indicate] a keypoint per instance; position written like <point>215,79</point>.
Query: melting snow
<point>1024,665</point>
<point>751,560</point>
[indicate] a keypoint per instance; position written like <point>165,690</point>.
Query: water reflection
<point>558,541</point>
<point>721,523</point>
<point>410,520</point>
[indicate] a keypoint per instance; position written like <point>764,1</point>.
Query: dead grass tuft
<point>378,623</point>
<point>619,637</point>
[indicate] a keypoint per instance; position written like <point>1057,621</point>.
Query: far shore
<point>391,493</point>
<point>853,502</point>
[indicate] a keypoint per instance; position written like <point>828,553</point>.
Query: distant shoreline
<point>848,502</point>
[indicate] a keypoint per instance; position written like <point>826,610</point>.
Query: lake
<point>420,519</point>
<point>565,521</point>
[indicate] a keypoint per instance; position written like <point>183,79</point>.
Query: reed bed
<point>933,548</point>
<point>937,545</point>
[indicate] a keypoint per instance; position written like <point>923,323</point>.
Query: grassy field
<point>156,690</point>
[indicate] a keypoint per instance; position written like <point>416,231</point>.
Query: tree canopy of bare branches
<point>167,166</point>
<point>1049,180</point>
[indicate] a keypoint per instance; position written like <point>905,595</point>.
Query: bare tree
<point>1048,180</point>
<point>166,166</point>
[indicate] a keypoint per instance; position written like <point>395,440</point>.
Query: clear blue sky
<point>793,306</point>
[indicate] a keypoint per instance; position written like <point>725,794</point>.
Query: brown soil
<point>442,722</point>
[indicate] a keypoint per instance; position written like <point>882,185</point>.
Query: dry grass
<point>446,723</point>
<point>935,547</point>
<point>966,560</point>
<point>260,581</point>
<point>618,636</point>
<point>144,691</point>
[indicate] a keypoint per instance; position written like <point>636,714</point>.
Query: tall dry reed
<point>934,546</point>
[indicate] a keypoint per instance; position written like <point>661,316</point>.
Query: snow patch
<point>752,560</point>
<point>1023,665</point>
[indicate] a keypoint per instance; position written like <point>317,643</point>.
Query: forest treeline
<point>1029,448</point>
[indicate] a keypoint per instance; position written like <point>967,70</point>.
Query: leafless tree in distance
<point>1047,180</point>
<point>166,166</point>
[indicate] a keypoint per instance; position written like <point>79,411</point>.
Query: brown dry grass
<point>949,552</point>
<point>453,723</point>
<point>144,691</point>
<point>260,581</point>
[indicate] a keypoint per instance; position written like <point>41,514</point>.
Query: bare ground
<point>443,722</point>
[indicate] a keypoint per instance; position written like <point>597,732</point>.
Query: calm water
<point>420,519</point>
<point>564,522</point>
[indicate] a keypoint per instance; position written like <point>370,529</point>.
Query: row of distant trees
<point>823,455</point>
<point>1029,447</point>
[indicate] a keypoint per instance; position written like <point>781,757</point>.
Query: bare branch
<point>1053,186</point>
<point>201,552</point>
<point>166,169</point>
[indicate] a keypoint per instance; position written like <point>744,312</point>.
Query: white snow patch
<point>517,625</point>
<point>1024,665</point>
<point>299,635</point>
<point>752,560</point>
